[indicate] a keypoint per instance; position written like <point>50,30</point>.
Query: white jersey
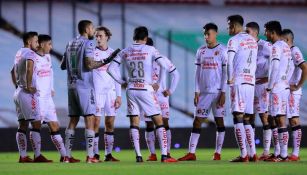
<point>263,58</point>
<point>138,59</point>
<point>281,67</point>
<point>103,82</point>
<point>243,65</point>
<point>21,58</point>
<point>44,75</point>
<point>298,59</point>
<point>210,63</point>
<point>157,71</point>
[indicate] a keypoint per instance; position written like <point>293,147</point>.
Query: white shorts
<point>105,103</point>
<point>27,105</point>
<point>279,103</point>
<point>294,105</point>
<point>261,99</point>
<point>206,103</point>
<point>142,100</point>
<point>242,98</point>
<point>164,106</point>
<point>47,109</point>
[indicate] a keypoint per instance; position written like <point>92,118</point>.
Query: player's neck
<point>140,41</point>
<point>212,45</point>
<point>276,38</point>
<point>40,52</point>
<point>103,47</point>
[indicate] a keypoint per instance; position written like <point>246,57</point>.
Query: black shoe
<point>139,159</point>
<point>97,156</point>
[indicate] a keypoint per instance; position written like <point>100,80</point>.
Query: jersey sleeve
<point>297,56</point>
<point>276,53</point>
<point>274,67</point>
<point>224,70</point>
<point>114,68</point>
<point>232,45</point>
<point>30,55</point>
<point>197,57</point>
<point>156,54</point>
<point>89,49</point>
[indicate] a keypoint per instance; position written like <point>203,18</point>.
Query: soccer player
<point>163,100</point>
<point>79,62</point>
<point>138,59</point>
<point>210,87</point>
<point>261,99</point>
<point>242,57</point>
<point>296,83</point>
<point>281,69</point>
<point>107,93</point>
<point>26,99</point>
<point>45,90</point>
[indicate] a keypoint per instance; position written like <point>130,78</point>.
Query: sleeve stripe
<point>172,70</point>
<point>231,51</point>
<point>116,62</point>
<point>198,64</point>
<point>300,63</point>
<point>275,59</point>
<point>223,64</point>
<point>157,58</point>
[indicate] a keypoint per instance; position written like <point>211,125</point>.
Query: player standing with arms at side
<point>139,58</point>
<point>210,88</point>
<point>45,90</point>
<point>281,68</point>
<point>79,62</point>
<point>107,93</point>
<point>162,94</point>
<point>242,57</point>
<point>26,99</point>
<point>261,101</point>
<point>296,83</point>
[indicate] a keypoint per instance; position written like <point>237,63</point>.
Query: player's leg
<point>150,139</point>
<point>168,135</point>
<point>220,135</point>
<point>135,136</point>
<point>21,139</point>
<point>250,136</point>
<point>58,140</point>
<point>96,138</point>
<point>294,121</point>
<point>275,139</point>
<point>266,134</point>
<point>100,111</point>
<point>109,138</point>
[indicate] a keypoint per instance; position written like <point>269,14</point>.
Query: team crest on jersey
<point>230,43</point>
<point>274,50</point>
<point>216,53</point>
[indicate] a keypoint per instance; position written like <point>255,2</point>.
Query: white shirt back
<point>211,62</point>
<point>244,62</point>
<point>263,58</point>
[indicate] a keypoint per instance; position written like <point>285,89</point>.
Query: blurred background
<point>175,26</point>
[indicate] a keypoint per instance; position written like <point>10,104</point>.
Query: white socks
<point>241,138</point>
<point>194,140</point>
<point>250,138</point>
<point>150,140</point>
<point>297,137</point>
<point>135,139</point>
<point>162,137</point>
<point>69,140</point>
<point>21,140</point>
<point>89,142</point>
<point>35,138</point>
<point>58,143</point>
<point>108,142</point>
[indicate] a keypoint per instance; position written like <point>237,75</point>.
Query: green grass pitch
<point>204,165</point>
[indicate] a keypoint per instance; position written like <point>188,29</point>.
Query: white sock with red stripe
<point>169,140</point>
<point>276,141</point>
<point>194,140</point>
<point>150,140</point>
<point>108,142</point>
<point>297,137</point>
<point>58,143</point>
<point>89,142</point>
<point>135,139</point>
<point>267,136</point>
<point>21,140</point>
<point>241,138</point>
<point>162,137</point>
<point>250,137</point>
<point>35,138</point>
<point>219,140</point>
<point>283,136</point>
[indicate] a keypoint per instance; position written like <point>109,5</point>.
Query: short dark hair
<point>287,32</point>
<point>210,26</point>
<point>273,26</point>
<point>106,31</point>
<point>82,25</point>
<point>27,36</point>
<point>149,42</point>
<point>236,19</point>
<point>140,33</point>
<point>253,25</point>
<point>43,38</point>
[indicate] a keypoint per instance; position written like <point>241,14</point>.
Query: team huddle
<point>263,77</point>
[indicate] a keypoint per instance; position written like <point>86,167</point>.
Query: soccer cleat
<point>41,159</point>
<point>240,159</point>
<point>188,157</point>
<point>271,158</point>
<point>216,156</point>
<point>264,157</point>
<point>110,158</point>
<point>279,159</point>
<point>139,159</point>
<point>73,160</point>
<point>169,160</point>
<point>152,157</point>
<point>64,159</point>
<point>293,158</point>
<point>26,159</point>
<point>97,156</point>
<point>91,160</point>
<point>254,158</point>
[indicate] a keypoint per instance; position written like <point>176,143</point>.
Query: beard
<point>91,37</point>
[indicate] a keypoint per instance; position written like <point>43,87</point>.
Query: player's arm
<point>274,68</point>
<point>231,52</point>
<point>303,67</point>
<point>197,78</point>
<point>118,100</point>
<point>29,75</point>
<point>52,82</point>
<point>222,97</point>
<point>13,77</point>
<point>300,63</point>
<point>114,70</point>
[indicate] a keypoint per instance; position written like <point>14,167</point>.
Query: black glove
<point>111,57</point>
